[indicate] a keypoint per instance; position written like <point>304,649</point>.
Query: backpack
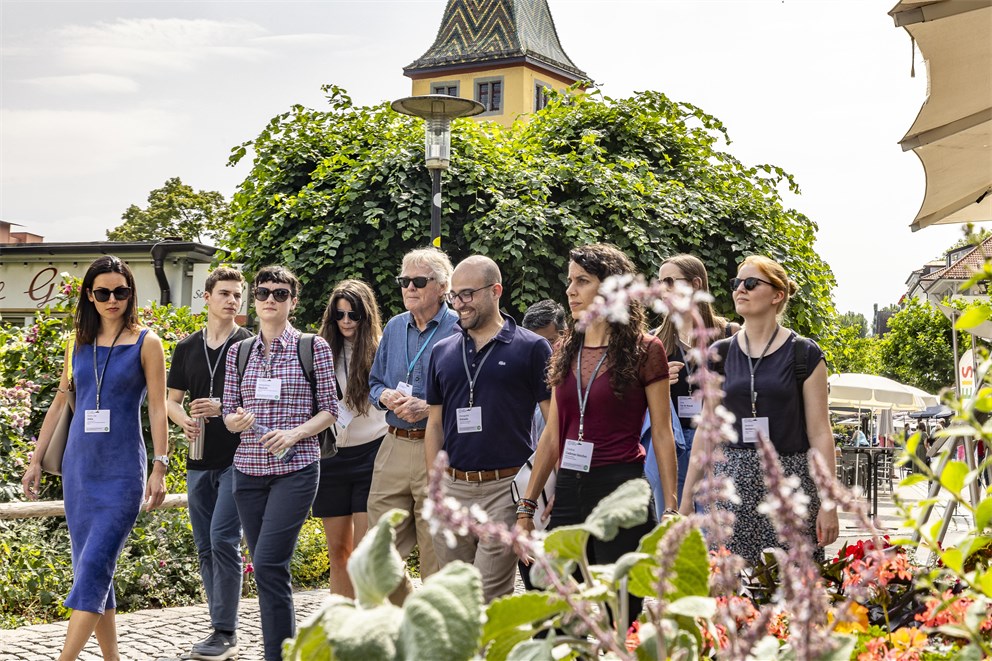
<point>800,353</point>
<point>304,353</point>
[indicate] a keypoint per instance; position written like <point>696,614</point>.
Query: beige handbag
<point>52,461</point>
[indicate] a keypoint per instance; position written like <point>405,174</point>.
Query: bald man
<point>483,385</point>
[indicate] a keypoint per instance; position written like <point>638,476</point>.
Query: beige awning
<point>952,134</point>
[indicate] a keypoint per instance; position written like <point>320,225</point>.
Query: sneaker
<point>216,647</point>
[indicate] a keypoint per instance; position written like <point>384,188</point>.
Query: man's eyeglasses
<point>419,282</point>
<point>749,283</point>
<point>465,295</point>
<point>102,294</point>
<point>281,295</point>
<point>354,316</point>
<point>670,281</point>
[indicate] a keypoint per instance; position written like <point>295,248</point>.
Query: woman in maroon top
<point>594,425</point>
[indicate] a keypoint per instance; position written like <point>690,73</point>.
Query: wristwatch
<point>164,458</point>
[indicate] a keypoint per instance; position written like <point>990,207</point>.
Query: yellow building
<point>501,53</point>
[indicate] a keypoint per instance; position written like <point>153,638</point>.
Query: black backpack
<point>304,353</point>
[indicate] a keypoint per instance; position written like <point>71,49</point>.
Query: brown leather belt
<point>411,434</point>
<point>482,476</point>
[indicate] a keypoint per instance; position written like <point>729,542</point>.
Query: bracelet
<point>527,501</point>
<point>527,514</point>
<point>526,509</point>
<point>670,512</point>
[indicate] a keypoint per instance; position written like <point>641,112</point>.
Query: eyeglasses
<point>419,282</point>
<point>465,295</point>
<point>102,294</point>
<point>280,295</point>
<point>749,283</point>
<point>354,316</point>
<point>670,281</point>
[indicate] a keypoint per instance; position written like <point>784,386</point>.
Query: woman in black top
<point>773,408</point>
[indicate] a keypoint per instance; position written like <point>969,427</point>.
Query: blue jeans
<point>217,533</point>
<point>273,508</point>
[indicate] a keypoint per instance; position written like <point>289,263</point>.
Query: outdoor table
<point>871,483</point>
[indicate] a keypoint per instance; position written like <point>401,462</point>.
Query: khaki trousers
<point>399,481</point>
<point>496,562</point>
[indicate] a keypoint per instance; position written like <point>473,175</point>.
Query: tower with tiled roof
<point>501,53</point>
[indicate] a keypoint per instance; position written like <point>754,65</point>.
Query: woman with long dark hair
<point>763,388</point>
<point>112,362</point>
<point>604,378</point>
<point>352,327</point>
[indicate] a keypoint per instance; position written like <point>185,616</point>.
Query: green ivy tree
<point>343,192</point>
<point>174,210</point>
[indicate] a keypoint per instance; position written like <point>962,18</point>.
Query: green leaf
<point>533,650</point>
<point>624,508</point>
<point>510,612</point>
<point>500,648</point>
<point>443,619</point>
<point>910,480</point>
<point>567,542</point>
<point>983,514</point>
<point>628,561</point>
<point>953,477</point>
<point>973,316</point>
<point>953,558</point>
<point>375,566</point>
<point>690,571</point>
<point>842,652</point>
<point>693,607</point>
<point>342,632</point>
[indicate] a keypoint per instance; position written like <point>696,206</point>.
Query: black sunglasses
<point>749,283</point>
<point>281,295</point>
<point>670,281</point>
<point>354,316</point>
<point>419,282</point>
<point>102,294</point>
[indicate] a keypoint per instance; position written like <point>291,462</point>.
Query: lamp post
<point>437,110</point>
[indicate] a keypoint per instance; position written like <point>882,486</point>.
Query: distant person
<point>547,319</point>
<point>113,362</point>
<point>858,438</point>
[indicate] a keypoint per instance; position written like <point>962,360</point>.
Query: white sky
<point>100,102</point>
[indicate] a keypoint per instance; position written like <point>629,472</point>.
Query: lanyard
<point>267,360</point>
<point>689,368</point>
<point>213,368</point>
<point>584,396</point>
<point>409,368</point>
<point>103,373</point>
<point>753,367</point>
<point>472,378</point>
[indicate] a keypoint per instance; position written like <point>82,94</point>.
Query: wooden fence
<point>36,509</point>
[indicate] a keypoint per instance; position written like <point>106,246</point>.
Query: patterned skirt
<point>753,532</point>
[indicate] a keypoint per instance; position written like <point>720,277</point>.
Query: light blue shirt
<point>401,341</point>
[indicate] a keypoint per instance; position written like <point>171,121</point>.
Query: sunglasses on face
<point>351,314</point>
<point>419,282</point>
<point>749,283</point>
<point>280,295</point>
<point>102,294</point>
<point>465,295</point>
<point>670,281</point>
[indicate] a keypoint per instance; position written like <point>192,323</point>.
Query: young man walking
<point>198,368</point>
<point>484,384</point>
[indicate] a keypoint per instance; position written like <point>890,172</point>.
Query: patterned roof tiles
<point>965,267</point>
<point>491,31</point>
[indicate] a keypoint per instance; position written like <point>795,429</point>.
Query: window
<point>489,92</point>
<point>451,89</point>
<point>540,95</point>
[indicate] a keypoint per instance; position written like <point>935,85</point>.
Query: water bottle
<point>285,455</point>
<point>196,445</point>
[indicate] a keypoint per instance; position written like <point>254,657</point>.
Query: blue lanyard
<point>406,345</point>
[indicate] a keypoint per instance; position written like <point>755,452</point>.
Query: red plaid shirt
<point>293,408</point>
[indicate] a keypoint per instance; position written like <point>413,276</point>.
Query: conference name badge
<point>689,407</point>
<point>345,416</point>
<point>577,455</point>
<point>404,389</point>
<point>97,421</point>
<point>753,427</point>
<point>469,420</point>
<point>268,389</point>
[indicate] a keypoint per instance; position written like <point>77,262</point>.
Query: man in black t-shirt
<point>198,366</point>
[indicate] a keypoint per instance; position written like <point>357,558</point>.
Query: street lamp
<point>437,110</point>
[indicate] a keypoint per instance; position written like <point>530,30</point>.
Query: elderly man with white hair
<point>397,384</point>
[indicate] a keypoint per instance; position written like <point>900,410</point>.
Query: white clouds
<point>85,83</point>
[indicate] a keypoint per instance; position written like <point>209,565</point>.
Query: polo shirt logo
<point>502,363</point>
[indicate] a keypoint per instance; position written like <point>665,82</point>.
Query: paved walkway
<point>166,634</point>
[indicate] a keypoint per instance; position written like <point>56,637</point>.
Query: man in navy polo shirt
<point>482,387</point>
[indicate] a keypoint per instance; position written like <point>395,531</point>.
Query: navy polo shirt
<point>510,383</point>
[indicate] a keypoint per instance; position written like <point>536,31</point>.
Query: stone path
<point>166,634</point>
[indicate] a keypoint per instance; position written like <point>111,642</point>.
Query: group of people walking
<point>345,424</point>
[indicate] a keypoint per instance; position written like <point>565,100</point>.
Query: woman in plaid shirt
<point>276,467</point>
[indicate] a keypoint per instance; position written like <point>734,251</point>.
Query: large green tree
<point>917,349</point>
<point>174,210</point>
<point>343,192</point>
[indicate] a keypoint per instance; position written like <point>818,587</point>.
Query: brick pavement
<point>166,634</point>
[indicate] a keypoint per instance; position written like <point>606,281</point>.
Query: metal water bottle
<point>196,445</point>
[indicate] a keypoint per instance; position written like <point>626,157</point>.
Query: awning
<point>952,135</point>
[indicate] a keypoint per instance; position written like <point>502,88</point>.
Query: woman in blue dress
<point>113,362</point>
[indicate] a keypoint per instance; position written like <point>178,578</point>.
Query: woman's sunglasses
<point>749,283</point>
<point>354,316</point>
<point>419,282</point>
<point>102,294</point>
<point>281,295</point>
<point>670,281</point>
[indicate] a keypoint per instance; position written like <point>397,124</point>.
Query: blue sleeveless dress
<point>103,474</point>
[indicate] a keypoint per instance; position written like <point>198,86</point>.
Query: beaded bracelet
<point>523,511</point>
<point>528,501</point>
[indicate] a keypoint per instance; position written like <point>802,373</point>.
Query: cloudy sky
<point>100,102</point>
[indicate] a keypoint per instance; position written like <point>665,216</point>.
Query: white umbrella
<point>869,391</point>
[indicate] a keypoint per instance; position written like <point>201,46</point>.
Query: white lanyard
<point>584,396</point>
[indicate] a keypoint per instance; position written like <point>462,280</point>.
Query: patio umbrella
<point>869,391</point>
<point>952,135</point>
